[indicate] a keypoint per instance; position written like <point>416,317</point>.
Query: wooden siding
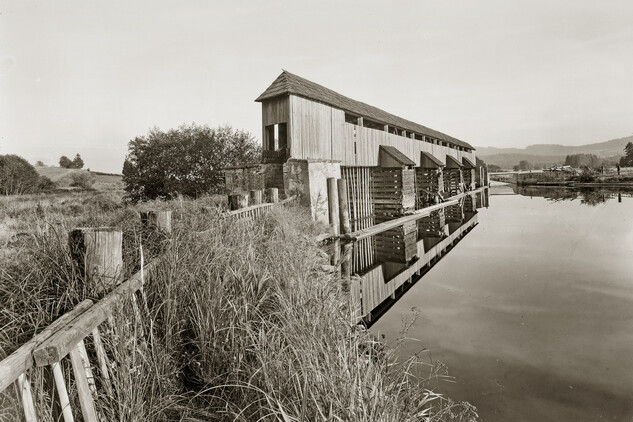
<point>318,131</point>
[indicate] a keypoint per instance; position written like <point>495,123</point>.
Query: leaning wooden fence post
<point>255,197</point>
<point>272,195</point>
<point>98,253</point>
<point>157,220</point>
<point>237,201</point>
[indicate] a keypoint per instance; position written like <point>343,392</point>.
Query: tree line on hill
<point>67,163</point>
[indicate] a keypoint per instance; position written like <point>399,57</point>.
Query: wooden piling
<point>272,195</point>
<point>255,197</point>
<point>157,220</point>
<point>237,201</point>
<point>333,205</point>
<point>343,207</point>
<point>346,228</point>
<point>98,253</point>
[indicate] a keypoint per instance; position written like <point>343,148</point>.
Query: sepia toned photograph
<point>299,211</point>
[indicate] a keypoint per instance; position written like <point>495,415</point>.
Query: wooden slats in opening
<point>392,192</point>
<point>358,182</point>
<point>429,183</point>
<point>453,181</point>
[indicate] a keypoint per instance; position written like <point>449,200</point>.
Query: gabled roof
<point>288,83</point>
<point>452,162</point>
<point>396,155</point>
<point>467,163</point>
<point>428,160</point>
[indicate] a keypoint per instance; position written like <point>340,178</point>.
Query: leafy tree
<point>493,168</point>
<point>627,160</point>
<point>17,176</point>
<point>65,162</point>
<point>78,163</point>
<point>39,163</point>
<point>525,165</point>
<point>187,160</point>
<point>516,168</point>
<point>582,160</point>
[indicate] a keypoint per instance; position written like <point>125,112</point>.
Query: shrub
<point>17,176</point>
<point>83,180</point>
<point>45,184</point>
<point>586,176</point>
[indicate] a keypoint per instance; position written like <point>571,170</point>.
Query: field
<point>63,178</point>
<point>242,323</point>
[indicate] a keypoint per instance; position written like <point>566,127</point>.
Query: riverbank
<point>242,322</point>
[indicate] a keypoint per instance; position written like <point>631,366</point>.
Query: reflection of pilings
<point>455,213</point>
<point>397,244</point>
<point>383,285</point>
<point>433,225</point>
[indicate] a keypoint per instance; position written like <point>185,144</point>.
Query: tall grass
<point>239,323</point>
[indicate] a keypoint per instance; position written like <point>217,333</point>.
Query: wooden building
<point>316,133</point>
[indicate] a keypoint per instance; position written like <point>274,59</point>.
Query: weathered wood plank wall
<point>318,131</point>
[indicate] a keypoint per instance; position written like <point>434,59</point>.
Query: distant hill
<point>63,178</point>
<point>550,154</point>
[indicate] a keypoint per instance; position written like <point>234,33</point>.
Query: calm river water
<point>533,311</point>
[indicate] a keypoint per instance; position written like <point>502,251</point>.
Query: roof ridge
<point>290,83</point>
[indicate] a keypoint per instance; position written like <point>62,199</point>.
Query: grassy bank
<point>241,323</point>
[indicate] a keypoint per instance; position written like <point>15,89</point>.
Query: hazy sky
<point>88,76</point>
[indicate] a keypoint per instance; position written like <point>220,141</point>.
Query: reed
<point>240,323</point>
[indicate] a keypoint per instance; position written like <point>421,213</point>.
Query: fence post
<point>272,195</point>
<point>333,205</point>
<point>98,253</point>
<point>237,201</point>
<point>157,220</point>
<point>255,197</point>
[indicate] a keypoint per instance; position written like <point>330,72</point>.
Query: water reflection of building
<point>385,277</point>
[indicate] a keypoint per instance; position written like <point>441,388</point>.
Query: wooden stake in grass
<point>157,220</point>
<point>237,201</point>
<point>272,195</point>
<point>255,197</point>
<point>98,252</point>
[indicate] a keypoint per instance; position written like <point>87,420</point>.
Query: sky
<point>88,76</point>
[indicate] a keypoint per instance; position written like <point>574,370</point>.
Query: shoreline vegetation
<point>242,322</point>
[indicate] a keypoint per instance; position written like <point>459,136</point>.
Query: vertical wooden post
<point>346,228</point>
<point>255,197</point>
<point>333,218</point>
<point>27,398</point>
<point>237,201</point>
<point>343,207</point>
<point>62,392</point>
<point>98,252</point>
<point>157,220</point>
<point>272,195</point>
<point>333,204</point>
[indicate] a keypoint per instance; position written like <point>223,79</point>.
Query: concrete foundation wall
<point>308,180</point>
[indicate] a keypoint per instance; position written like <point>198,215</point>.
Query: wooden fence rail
<point>66,336</point>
